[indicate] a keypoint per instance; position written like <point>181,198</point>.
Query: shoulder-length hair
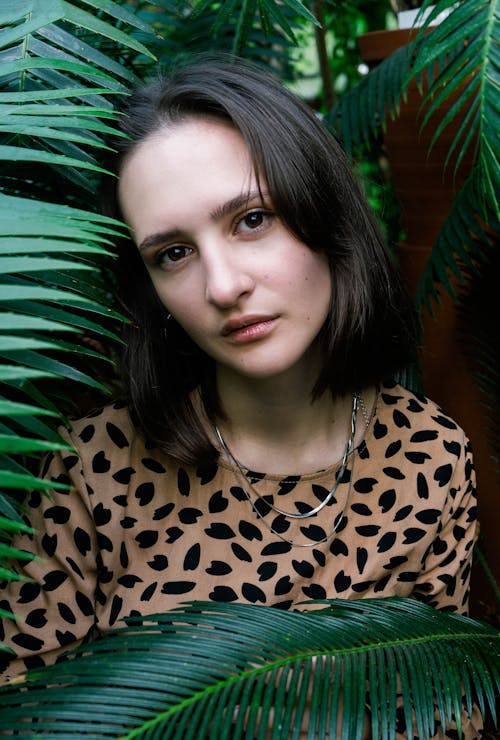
<point>369,334</point>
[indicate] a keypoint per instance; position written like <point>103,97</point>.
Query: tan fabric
<point>140,533</point>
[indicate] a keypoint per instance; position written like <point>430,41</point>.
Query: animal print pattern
<point>140,533</point>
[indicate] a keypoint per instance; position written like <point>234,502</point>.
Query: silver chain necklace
<point>244,481</point>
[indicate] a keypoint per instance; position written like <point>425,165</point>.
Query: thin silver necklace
<point>244,481</point>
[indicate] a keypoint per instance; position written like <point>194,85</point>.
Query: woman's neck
<point>274,426</point>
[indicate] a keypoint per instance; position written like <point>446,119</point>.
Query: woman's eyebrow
<point>239,201</point>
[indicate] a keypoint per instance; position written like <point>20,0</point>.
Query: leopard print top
<point>140,533</point>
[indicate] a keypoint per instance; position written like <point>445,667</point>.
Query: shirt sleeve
<point>444,578</point>
<point>56,606</point>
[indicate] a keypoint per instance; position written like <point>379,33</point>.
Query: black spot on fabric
<point>120,500</point>
<point>303,568</point>
<point>105,574</point>
<point>103,542</point>
<point>254,477</point>
<point>90,490</point>
<point>413,534</point>
<point>128,522</point>
<point>238,493</point>
<point>124,475</point>
<point>223,593</point>
<point>428,516</point>
<point>116,435</point>
<point>275,548</point>
<point>393,448</point>
<point>314,591</point>
<point>66,613</point>
<point>364,485</point>
<point>362,509</point>
<point>54,579</point>
<point>339,547</point>
<point>414,406</point>
<point>422,486</point>
<point>123,555</point>
<point>382,584</point>
<point>82,541</point>
<point>287,484</point>
<point>283,586</point>
<point>341,582</point>
<point>362,586</point>
<point>283,605</point>
<point>151,464</point>
<point>267,570</point>
<point>395,562</point>
<point>74,567</point>
<point>319,557</point>
<point>207,472</point>
<point>87,433</point>
<point>163,511</point>
<point>100,464</point>
<point>192,557</point>
<point>173,534</point>
<point>417,458</point>
<point>37,618</point>
<point>159,562</point>
<point>102,516</point>
<point>450,581</point>
<point>34,500</point>
<point>249,531</point>
<point>217,503</point>
<point>58,514</point>
<point>28,642</point>
<point>177,587</point>
<point>70,461</point>
<point>218,568</point>
<point>280,524</point>
<point>400,419</point>
<point>129,580</point>
<point>147,538</point>
<point>314,533</point>
<point>361,558</point>
<point>145,493</point>
<point>241,553</point>
<point>425,435</point>
<point>402,513</point>
<point>408,576</point>
<point>390,399</point>
<point>443,474</point>
<point>84,604</point>
<point>253,593</point>
<point>262,505</point>
<point>449,559</point>
<point>368,530</point>
<point>458,532</point>
<point>116,607</point>
<point>190,515</point>
<point>454,448</point>
<point>49,544</point>
<point>220,531</point>
<point>395,473</point>
<point>363,451</point>
<point>183,483</point>
<point>386,542</point>
<point>387,500</point>
<point>149,592</point>
<point>379,430</point>
<point>445,422</point>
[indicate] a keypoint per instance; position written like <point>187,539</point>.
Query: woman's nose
<point>226,281</point>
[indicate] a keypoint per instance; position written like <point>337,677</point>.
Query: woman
<point>263,453</point>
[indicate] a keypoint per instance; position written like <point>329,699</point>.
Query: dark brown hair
<point>369,334</point>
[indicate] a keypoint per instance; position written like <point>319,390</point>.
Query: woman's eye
<point>253,221</point>
<point>173,254</point>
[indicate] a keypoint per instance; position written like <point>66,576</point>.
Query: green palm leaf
<point>233,671</point>
<point>57,81</point>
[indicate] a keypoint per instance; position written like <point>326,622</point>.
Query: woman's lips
<point>249,328</point>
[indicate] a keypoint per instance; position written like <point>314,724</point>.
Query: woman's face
<point>241,285</point>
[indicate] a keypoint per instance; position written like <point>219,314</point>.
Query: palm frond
<point>56,90</point>
<point>469,78</point>
<point>233,670</point>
